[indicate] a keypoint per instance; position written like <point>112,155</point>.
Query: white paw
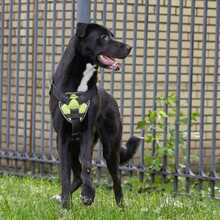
<point>56,197</point>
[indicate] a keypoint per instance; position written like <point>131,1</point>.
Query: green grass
<point>29,199</point>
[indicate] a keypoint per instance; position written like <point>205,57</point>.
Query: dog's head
<point>97,44</point>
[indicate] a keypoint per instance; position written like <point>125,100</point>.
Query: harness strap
<point>76,130</point>
<point>59,96</point>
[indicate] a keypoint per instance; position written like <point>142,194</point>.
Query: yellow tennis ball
<point>82,108</point>
<point>65,109</point>
<point>73,104</point>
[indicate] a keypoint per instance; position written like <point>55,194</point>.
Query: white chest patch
<point>87,74</point>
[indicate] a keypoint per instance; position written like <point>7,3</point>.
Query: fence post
<point>83,11</point>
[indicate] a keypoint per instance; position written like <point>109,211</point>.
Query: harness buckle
<point>76,136</point>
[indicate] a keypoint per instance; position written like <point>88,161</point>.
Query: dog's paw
<point>57,198</point>
<point>87,195</point>
<point>121,205</point>
<point>86,200</point>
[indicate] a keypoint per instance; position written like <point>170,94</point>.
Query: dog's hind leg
<point>112,160</point>
<point>110,138</point>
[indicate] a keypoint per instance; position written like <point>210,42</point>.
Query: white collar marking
<point>87,74</point>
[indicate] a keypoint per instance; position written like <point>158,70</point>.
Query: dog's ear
<point>81,29</point>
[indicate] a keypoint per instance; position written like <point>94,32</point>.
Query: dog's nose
<point>128,47</point>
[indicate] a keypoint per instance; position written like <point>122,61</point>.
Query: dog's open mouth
<point>109,62</point>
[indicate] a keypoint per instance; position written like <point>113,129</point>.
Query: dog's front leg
<point>88,192</point>
<point>65,158</point>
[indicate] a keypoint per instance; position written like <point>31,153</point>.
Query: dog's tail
<point>131,147</point>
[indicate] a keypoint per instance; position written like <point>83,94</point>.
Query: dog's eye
<point>105,37</point>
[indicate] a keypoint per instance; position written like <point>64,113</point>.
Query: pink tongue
<point>109,62</point>
<point>106,60</point>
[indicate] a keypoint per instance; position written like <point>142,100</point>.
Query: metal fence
<point>175,49</point>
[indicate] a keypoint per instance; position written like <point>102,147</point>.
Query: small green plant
<point>158,123</point>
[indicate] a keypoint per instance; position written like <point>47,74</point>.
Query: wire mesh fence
<point>175,51</point>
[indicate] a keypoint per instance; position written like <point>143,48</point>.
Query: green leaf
<point>160,151</point>
<point>152,115</point>
<point>183,120</point>
<point>171,99</point>
<point>141,124</point>
<point>149,138</point>
<point>163,114</point>
<point>195,116</point>
<point>170,152</point>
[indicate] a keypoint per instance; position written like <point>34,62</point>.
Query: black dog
<point>92,46</point>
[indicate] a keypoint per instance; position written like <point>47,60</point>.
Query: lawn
<point>30,199</point>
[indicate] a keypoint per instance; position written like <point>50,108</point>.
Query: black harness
<point>74,114</point>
